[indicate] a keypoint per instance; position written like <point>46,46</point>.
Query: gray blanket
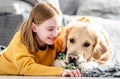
<point>105,71</point>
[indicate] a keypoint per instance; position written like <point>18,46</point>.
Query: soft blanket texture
<point>112,70</point>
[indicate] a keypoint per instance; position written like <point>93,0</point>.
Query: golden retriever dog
<point>85,45</point>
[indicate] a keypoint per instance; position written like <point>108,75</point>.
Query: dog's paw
<point>87,65</point>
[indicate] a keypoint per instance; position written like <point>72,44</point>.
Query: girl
<point>32,49</point>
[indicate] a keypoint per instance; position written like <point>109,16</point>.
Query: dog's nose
<point>72,58</point>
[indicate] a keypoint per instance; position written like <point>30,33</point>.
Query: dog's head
<point>84,43</point>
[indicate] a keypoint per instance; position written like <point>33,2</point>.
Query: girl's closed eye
<point>50,29</point>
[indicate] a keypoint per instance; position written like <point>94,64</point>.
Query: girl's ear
<point>84,19</point>
<point>33,27</point>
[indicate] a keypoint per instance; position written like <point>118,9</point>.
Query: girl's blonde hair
<point>40,12</point>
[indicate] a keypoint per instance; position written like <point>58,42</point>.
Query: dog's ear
<point>61,41</point>
<point>101,52</point>
<point>84,19</point>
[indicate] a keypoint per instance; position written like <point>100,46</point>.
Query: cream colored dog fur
<point>85,43</point>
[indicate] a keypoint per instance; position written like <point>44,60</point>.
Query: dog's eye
<point>72,40</point>
<point>86,44</point>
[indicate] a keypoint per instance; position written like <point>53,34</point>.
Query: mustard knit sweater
<point>17,60</point>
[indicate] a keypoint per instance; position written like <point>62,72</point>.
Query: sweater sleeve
<point>27,66</point>
<point>24,61</point>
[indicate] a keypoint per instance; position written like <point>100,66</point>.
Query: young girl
<point>32,49</point>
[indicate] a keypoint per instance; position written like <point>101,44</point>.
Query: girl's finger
<point>78,72</point>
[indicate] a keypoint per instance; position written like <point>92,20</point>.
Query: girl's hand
<point>71,73</point>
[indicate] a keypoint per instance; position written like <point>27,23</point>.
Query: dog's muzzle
<point>73,58</point>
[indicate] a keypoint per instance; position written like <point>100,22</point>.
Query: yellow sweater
<point>17,60</point>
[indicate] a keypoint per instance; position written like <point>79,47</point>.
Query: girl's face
<point>47,31</point>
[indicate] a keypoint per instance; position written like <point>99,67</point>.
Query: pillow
<point>54,2</point>
<point>8,26</point>
<point>69,6</point>
<point>15,6</point>
<point>101,8</point>
<point>32,2</point>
